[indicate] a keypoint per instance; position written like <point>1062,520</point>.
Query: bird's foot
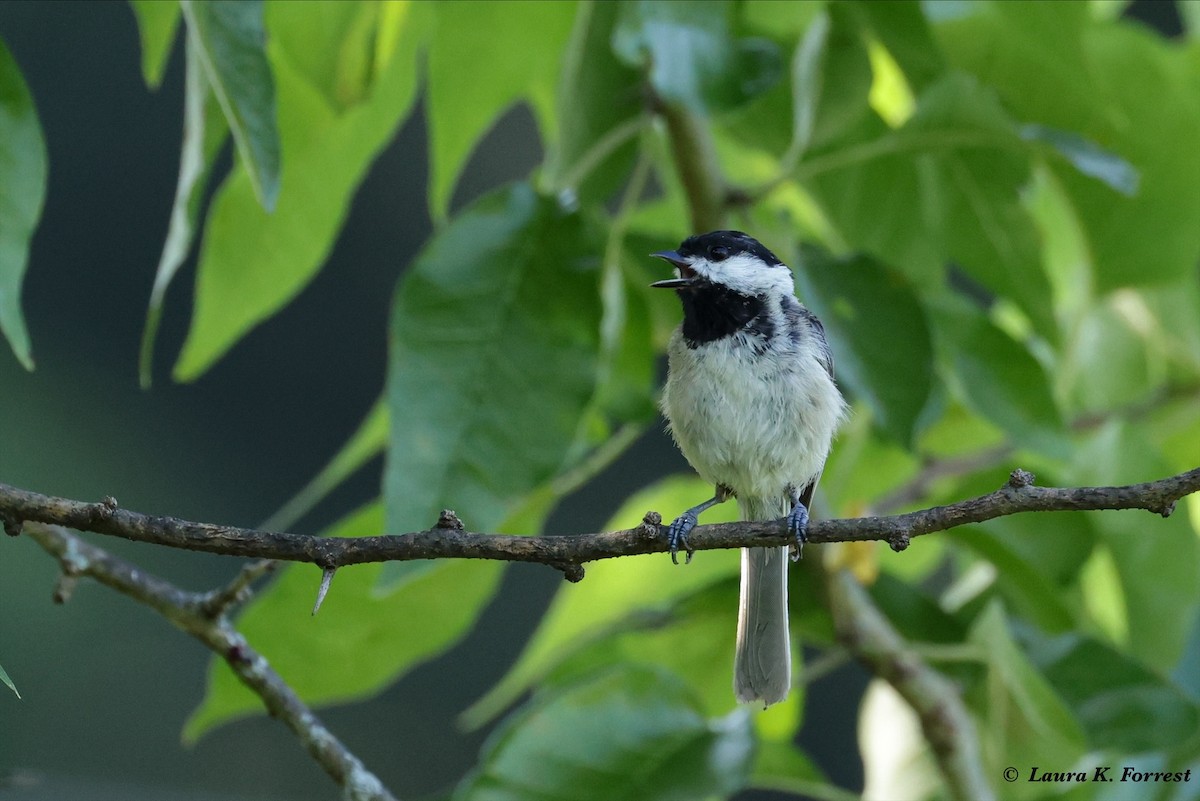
<point>677,535</point>
<point>797,523</point>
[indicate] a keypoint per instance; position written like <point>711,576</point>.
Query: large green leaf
<point>600,109</point>
<point>630,733</point>
<point>943,187</point>
<point>692,637</point>
<point>157,22</point>
<point>361,641</point>
<point>1122,705</point>
<point>1157,561</point>
<point>614,590</point>
<point>495,340</point>
<point>204,132</point>
<point>484,57</point>
<point>22,192</point>
<point>229,39</point>
<point>902,28</point>
<point>916,616</point>
<point>780,766</point>
<point>1118,85</point>
<point>831,79</point>
<point>252,262</point>
<point>1023,719</point>
<point>692,54</point>
<point>877,329</point>
<point>1000,379</point>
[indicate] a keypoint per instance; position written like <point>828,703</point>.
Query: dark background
<point>106,683</point>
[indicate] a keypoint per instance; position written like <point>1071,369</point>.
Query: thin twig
<point>191,613</point>
<point>867,634</point>
<point>221,600</point>
<point>569,551</point>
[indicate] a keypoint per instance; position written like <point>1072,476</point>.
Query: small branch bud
<point>1020,478</point>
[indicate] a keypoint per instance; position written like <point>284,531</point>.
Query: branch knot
<point>1020,478</point>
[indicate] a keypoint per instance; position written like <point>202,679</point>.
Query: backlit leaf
<point>204,132</point>
<point>22,192</point>
<point>361,641</point>
<point>252,262</point>
<point>483,57</point>
<point>157,23</point>
<point>615,589</point>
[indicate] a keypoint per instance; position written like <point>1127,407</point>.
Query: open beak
<point>687,276</point>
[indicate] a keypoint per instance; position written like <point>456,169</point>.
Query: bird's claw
<point>677,536</point>
<point>797,523</point>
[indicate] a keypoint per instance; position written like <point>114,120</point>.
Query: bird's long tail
<point>762,664</point>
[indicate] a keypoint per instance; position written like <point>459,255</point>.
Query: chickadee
<point>751,401</point>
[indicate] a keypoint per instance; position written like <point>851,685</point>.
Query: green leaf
<point>1189,14</point>
<point>8,682</point>
<point>692,637</point>
<point>22,192</point>
<point>521,45</point>
<point>344,71</point>
<point>204,133</point>
<point>229,40</point>
<point>691,53</point>
<point>863,466</point>
<point>157,22</point>
<point>1057,66</point>
<point>954,172</point>
<point>831,79</point>
<point>495,339</point>
<point>916,616</point>
<point>1157,560</point>
<point>388,633</point>
<point>901,27</point>
<point>1122,705</point>
<point>1001,380</point>
<point>367,442</point>
<point>251,262</point>
<point>782,767</point>
<point>600,110</point>
<point>1028,590</point>
<point>627,734</point>
<point>1107,364</point>
<point>615,590</point>
<point>877,329</point>
<point>1025,720</point>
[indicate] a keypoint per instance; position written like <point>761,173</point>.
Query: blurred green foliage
<point>993,207</point>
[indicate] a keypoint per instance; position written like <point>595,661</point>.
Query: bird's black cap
<point>710,245</point>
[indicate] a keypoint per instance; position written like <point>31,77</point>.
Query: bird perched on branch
<point>751,401</point>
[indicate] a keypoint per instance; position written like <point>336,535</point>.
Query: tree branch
<point>695,158</point>
<point>867,634</point>
<point>202,615</point>
<point>568,552</point>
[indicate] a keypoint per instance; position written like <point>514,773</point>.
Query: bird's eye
<point>718,253</point>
